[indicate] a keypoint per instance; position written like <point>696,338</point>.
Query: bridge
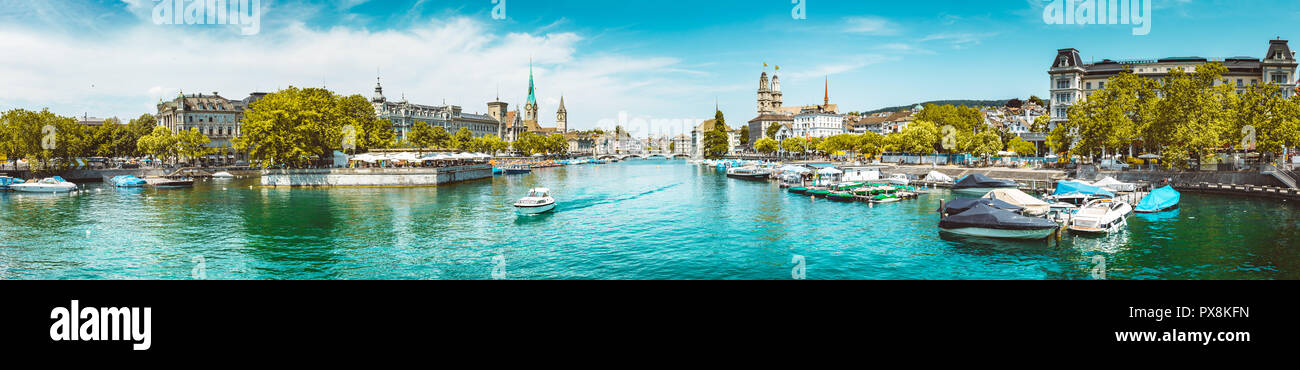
<point>651,155</point>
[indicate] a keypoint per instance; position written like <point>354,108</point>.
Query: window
<point>1062,84</point>
<point>1101,85</point>
<point>1088,86</point>
<point>1240,82</point>
<point>1279,78</point>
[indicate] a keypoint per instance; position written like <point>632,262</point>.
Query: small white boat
<point>1101,216</point>
<point>49,185</point>
<point>538,201</point>
<point>899,179</point>
<point>223,175</point>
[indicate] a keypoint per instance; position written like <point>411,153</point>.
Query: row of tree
<point>56,141</point>
<point>1185,117</point>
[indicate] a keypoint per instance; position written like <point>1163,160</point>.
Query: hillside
<point>969,103</point>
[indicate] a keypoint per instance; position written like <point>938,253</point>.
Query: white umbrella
<point>794,169</point>
<point>830,171</point>
<point>1150,156</point>
<point>405,157</point>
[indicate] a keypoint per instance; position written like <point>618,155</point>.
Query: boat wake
<point>592,201</point>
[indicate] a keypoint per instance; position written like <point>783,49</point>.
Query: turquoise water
<point>655,219</point>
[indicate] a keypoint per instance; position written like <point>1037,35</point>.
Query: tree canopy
<point>295,127</point>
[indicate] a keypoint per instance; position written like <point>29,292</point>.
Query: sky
<point>652,62</point>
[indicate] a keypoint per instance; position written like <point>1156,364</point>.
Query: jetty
<point>374,177</point>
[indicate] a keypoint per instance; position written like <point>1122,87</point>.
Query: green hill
<point>969,103</point>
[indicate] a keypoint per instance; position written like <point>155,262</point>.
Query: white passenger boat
<point>49,185</point>
<point>223,175</point>
<point>1102,216</point>
<point>538,201</point>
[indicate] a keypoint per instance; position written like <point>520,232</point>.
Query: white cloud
<point>959,40</point>
<point>461,60</point>
<point>841,66</point>
<point>870,25</point>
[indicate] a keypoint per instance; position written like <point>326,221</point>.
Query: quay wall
<point>89,175</point>
<point>374,177</point>
<point>1209,177</point>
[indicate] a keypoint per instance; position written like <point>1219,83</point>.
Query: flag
<point>779,68</point>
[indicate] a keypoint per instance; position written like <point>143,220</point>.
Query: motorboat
<point>170,183</point>
<point>749,173</point>
<point>960,205</point>
<point>127,181</point>
<point>516,169</point>
<point>1032,206</point>
<point>981,220</point>
<point>538,201</point>
<point>900,179</point>
<point>842,196</point>
<point>980,184</point>
<point>797,189</point>
<point>1159,200</point>
<point>223,175</point>
<point>47,185</point>
<point>6,181</point>
<point>1101,216</point>
<point>1078,193</point>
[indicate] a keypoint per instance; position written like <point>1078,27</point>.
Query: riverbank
<point>374,177</point>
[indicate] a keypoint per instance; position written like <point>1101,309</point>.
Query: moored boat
<point>899,179</point>
<point>1078,193</point>
<point>749,173</point>
<point>48,185</point>
<point>842,196</point>
<point>538,201</point>
<point>1159,200</point>
<point>169,183</point>
<point>980,184</point>
<point>127,181</point>
<point>982,220</point>
<point>797,189</point>
<point>223,175</point>
<point>1032,206</point>
<point>1101,216</point>
<point>818,192</point>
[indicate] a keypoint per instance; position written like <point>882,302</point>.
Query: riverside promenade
<point>374,177</point>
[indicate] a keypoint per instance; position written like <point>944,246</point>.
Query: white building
<point>1071,80</point>
<point>818,124</point>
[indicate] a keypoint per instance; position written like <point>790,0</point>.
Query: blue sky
<point>650,59</point>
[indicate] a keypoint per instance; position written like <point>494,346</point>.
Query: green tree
<point>766,145</point>
<point>793,145</point>
<point>773,129</point>
<point>159,144</point>
<point>1022,147</point>
<point>985,143</point>
<point>192,145</point>
<point>744,136</point>
<point>423,135</point>
<point>296,127</point>
<point>919,137</point>
<point>870,143</point>
<point>962,118</point>
<point>716,143</point>
<point>1040,124</point>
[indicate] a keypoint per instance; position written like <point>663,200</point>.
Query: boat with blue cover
<point>6,181</point>
<point>1078,193</point>
<point>1159,200</point>
<point>127,181</point>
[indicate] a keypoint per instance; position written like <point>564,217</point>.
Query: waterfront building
<point>216,117</point>
<point>682,144</point>
<point>580,143</point>
<point>883,123</point>
<point>759,125</point>
<point>404,115</point>
<point>618,143</point>
<point>1072,81</point>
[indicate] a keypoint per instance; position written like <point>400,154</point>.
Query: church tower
<point>530,107</point>
<point>379,93</point>
<point>764,95</point>
<point>497,110</point>
<point>776,91</point>
<point>561,117</point>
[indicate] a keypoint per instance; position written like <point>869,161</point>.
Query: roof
<point>772,117</point>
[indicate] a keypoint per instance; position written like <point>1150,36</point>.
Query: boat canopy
<point>938,176</point>
<point>795,169</point>
<point>1159,200</point>
<point>830,171</point>
<point>981,181</point>
<point>1075,187</point>
<point>1116,185</point>
<point>982,216</point>
<point>1033,206</point>
<point>961,205</point>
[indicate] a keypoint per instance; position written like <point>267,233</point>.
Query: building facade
<point>404,115</point>
<point>818,124</point>
<point>218,118</point>
<point>759,125</point>
<point>1072,81</point>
